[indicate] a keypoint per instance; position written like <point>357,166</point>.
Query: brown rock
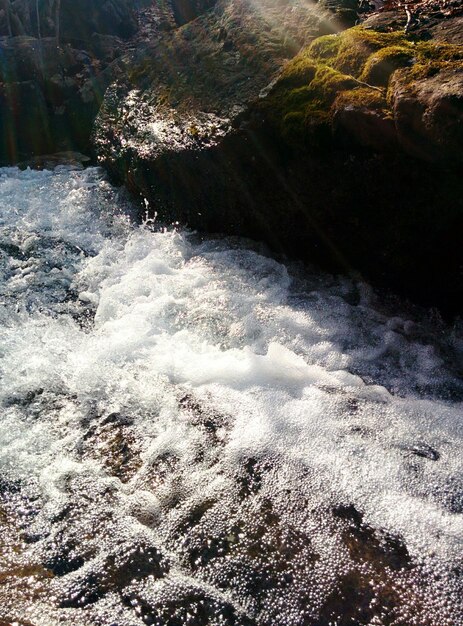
<point>429,114</point>
<point>449,31</point>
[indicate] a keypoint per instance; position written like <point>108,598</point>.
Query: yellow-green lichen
<point>355,46</point>
<point>311,123</point>
<point>299,72</point>
<point>440,52</point>
<point>324,48</point>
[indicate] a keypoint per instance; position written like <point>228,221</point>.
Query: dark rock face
<point>185,11</point>
<point>49,97</point>
<point>80,19</point>
<point>52,64</point>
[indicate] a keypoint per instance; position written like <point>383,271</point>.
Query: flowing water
<point>193,434</point>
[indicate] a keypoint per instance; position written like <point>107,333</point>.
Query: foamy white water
<point>192,434</point>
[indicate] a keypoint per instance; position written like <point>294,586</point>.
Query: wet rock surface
<point>190,85</point>
<point>53,55</point>
<point>49,97</point>
<point>242,557</point>
<point>428,114</point>
<point>74,21</point>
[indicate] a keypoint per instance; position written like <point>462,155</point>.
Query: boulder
<point>173,124</point>
<point>186,90</point>
<point>219,130</point>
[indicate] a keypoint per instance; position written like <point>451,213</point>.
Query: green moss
<point>358,44</point>
<point>293,125</point>
<point>381,64</point>
<point>426,70</point>
<point>311,125</point>
<point>362,97</point>
<point>329,82</point>
<point>430,59</point>
<point>441,52</point>
<point>352,68</point>
<point>325,48</point>
<point>299,72</point>
<point>298,98</point>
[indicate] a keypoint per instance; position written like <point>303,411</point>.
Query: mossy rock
<point>349,51</point>
<point>352,69</point>
<point>298,73</point>
<point>307,127</point>
<point>324,48</point>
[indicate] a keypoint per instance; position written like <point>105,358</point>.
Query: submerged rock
<point>50,161</point>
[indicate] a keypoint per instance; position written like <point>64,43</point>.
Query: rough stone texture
<point>449,31</point>
<point>81,18</point>
<point>386,21</point>
<point>49,97</point>
<point>437,19</point>
<point>184,91</point>
<point>51,87</point>
<point>429,114</point>
<point>367,128</point>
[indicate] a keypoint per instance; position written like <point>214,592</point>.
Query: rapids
<point>193,433</point>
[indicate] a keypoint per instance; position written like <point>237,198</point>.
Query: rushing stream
<point>193,434</point>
